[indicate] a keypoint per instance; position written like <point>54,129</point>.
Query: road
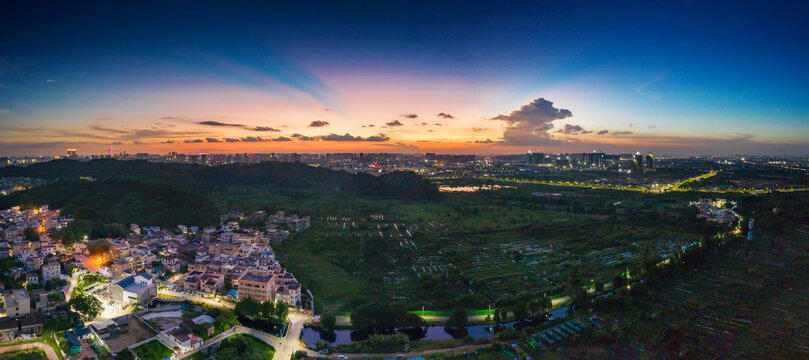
<point>465,349</point>
<point>556,303</point>
<point>44,347</point>
<point>211,302</point>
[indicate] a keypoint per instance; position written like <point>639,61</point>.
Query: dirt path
<point>44,347</point>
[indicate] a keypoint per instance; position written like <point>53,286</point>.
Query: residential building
<point>180,338</point>
<point>258,285</point>
<point>16,303</point>
<point>50,271</point>
<point>138,288</point>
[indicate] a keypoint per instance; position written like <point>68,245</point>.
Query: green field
<point>153,350</point>
<point>472,249</point>
<point>33,354</point>
<point>238,346</point>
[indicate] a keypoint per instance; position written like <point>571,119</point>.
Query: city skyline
<point>689,78</point>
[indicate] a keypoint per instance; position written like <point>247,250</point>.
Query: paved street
<point>211,302</point>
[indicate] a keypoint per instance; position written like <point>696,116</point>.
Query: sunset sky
<point>381,76</point>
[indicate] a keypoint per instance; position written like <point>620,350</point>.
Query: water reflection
<point>342,337</point>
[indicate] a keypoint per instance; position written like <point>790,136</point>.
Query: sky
<point>667,77</point>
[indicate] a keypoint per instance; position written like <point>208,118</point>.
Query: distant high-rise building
<point>109,151</point>
<point>649,162</point>
<point>595,159</point>
<point>638,165</point>
<point>535,158</point>
<point>71,153</point>
<point>429,156</point>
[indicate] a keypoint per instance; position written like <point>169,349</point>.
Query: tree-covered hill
<point>121,201</point>
<point>397,185</point>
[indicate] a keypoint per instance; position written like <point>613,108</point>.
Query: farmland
<point>492,246</point>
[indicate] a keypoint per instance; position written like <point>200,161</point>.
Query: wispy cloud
<point>643,90</point>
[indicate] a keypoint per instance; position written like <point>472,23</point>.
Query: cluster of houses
<point>40,264</point>
<point>208,259</point>
<point>715,210</point>
<point>232,260</point>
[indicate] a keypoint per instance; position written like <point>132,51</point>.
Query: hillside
<point>397,185</point>
<point>121,201</point>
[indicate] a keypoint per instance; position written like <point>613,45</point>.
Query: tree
<point>328,321</point>
<point>281,311</point>
<point>599,286</point>
<point>618,281</point>
<point>458,319</point>
<point>520,311</point>
<point>224,321</point>
<point>31,234</point>
<point>86,305</point>
<point>99,246</point>
<point>497,318</point>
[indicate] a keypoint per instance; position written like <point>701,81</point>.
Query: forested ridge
<point>162,194</point>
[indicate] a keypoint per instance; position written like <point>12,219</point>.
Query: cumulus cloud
<point>530,125</point>
<point>622,133</point>
<point>231,140</point>
<point>602,132</point>
<point>369,125</point>
<point>445,115</point>
<point>476,129</point>
<point>282,138</point>
<point>573,130</point>
<point>266,128</point>
<point>117,143</point>
<point>212,140</point>
<point>487,141</point>
<point>319,123</point>
<point>167,142</point>
<point>137,143</point>
<point>192,141</point>
<point>409,116</point>
<point>394,123</point>
<point>217,123</point>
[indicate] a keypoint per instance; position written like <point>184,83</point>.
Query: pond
<point>311,335</point>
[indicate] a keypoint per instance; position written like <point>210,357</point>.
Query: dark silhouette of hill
<point>396,185</point>
<point>123,201</point>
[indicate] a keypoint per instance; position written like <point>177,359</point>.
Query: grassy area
<point>45,340</point>
<point>32,354</point>
<point>238,346</point>
<point>153,350</point>
<point>86,280</point>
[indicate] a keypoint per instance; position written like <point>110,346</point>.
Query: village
<point>135,290</point>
